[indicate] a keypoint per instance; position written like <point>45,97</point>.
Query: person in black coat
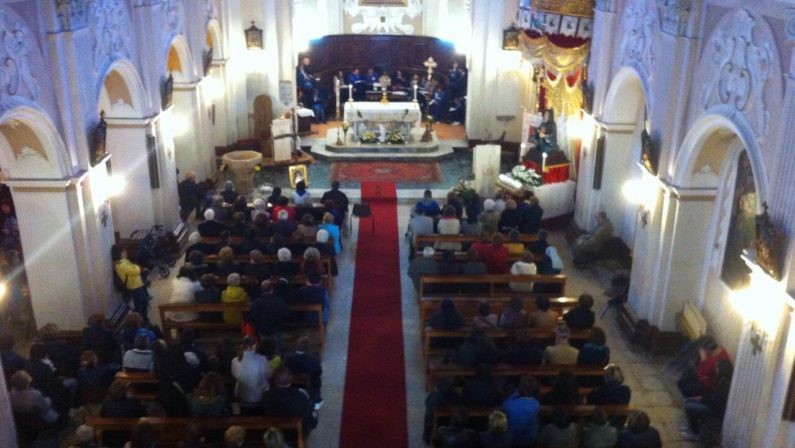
<point>269,313</point>
<point>565,391</point>
<point>522,350</point>
<point>210,227</point>
<point>283,225</point>
<point>302,362</point>
<point>612,392</point>
<point>118,404</point>
<point>65,357</point>
<point>594,352</point>
<point>445,394</point>
<point>10,360</point>
<point>482,389</point>
<point>191,196</point>
<point>257,267</point>
<point>99,339</point>
<point>44,377</point>
<point>581,317</point>
<point>208,293</point>
<point>447,318</point>
<point>531,220</point>
<point>477,349</point>
<point>509,218</point>
<point>284,400</point>
<point>340,199</point>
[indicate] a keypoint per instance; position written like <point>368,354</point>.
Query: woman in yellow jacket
<point>130,273</point>
<point>234,293</point>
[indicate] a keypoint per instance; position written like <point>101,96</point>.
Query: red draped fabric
<point>554,174</point>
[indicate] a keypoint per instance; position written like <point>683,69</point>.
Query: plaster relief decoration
<point>740,66</point>
<point>23,141</point>
<point>383,17</point>
<point>174,13</point>
<point>111,27</point>
<point>674,15</point>
<point>72,14</point>
<point>17,84</point>
<point>636,46</point>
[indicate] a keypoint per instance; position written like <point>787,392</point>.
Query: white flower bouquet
<point>526,176</point>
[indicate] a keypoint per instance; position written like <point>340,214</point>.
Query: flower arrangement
<point>526,176</point>
<point>368,137</point>
<point>345,126</point>
<point>465,189</point>
<point>394,137</point>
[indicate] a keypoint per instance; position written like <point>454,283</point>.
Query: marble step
<point>441,152</point>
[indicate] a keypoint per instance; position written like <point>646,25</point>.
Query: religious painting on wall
<point>742,227</point>
<point>510,39</point>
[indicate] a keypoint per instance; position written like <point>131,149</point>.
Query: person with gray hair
<point>589,245</point>
<point>425,265</point>
<point>562,353</point>
<point>210,228</point>
<point>284,266</point>
<point>284,225</point>
<point>419,225</point>
<point>229,194</point>
<point>260,208</point>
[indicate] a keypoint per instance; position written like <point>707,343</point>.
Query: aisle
<point>374,403</point>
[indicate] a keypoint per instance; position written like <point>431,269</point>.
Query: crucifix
<point>430,64</point>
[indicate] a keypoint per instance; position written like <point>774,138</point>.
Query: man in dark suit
<point>314,292</point>
<point>339,198</point>
<point>284,400</point>
<point>303,362</point>
<point>191,196</point>
<point>530,216</point>
<point>210,227</point>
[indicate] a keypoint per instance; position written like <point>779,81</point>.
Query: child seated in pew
<point>543,317</point>
<point>485,319</point>
<point>581,317</point>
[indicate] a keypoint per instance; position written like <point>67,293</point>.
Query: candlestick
<point>350,93</point>
<point>544,162</point>
<point>415,93</point>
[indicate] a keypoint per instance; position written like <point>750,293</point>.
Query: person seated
<point>313,291</point>
<point>195,244</point>
<point>10,360</point>
<point>226,263</point>
<point>540,245</point>
<point>449,266</point>
<point>514,316</point>
<point>234,437</point>
<point>455,434</point>
<point>207,293</point>
<point>482,389</point>
<point>312,263</point>
<point>530,219</point>
<point>712,404</point>
<point>301,196</point>
<point>28,402</point>
<point>260,208</point>
<point>93,378</point>
<point>639,433</point>
<point>522,410</point>
<point>297,245</point>
<point>597,431</point>
<point>429,207</point>
<point>284,266</point>
<point>496,434</point>
<point>183,289</point>
<point>277,242</point>
<point>210,228</point>
<point>489,218</point>
<point>257,267</point>
<point>447,318</point>
<point>559,433</point>
<point>471,225</point>
<point>457,111</point>
<point>284,226</point>
<point>302,362</point>
<point>249,243</point>
<point>514,245</point>
<point>473,265</point>
<point>581,317</point>
<point>307,227</point>
<point>419,225</point>
<point>326,249</point>
<point>84,437</point>
<point>335,211</point>
<point>228,194</point>
<point>562,353</point>
<point>509,218</point>
<point>284,400</point>
<point>477,349</point>
<point>251,370</point>
<point>612,392</point>
<point>274,438</point>
<point>132,326</point>
<point>44,377</point>
<point>704,378</point>
<point>523,267</point>
<point>448,225</point>
<point>333,230</point>
<point>594,352</point>
<point>191,349</point>
<point>522,350</point>
<point>268,313</point>
<point>119,404</point>
<point>263,227</point>
<point>565,390</point>
<point>275,198</point>
<point>551,263</point>
<point>437,106</point>
<point>443,395</point>
<point>65,357</point>
<point>425,265</point>
<point>139,359</point>
<point>197,265</point>
<point>588,246</point>
<point>233,294</point>
<point>454,200</point>
<point>484,319</point>
<point>98,338</point>
<point>284,204</point>
<point>238,226</point>
<point>495,255</point>
<point>543,317</point>
<point>209,398</point>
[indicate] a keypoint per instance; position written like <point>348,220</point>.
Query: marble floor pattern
<point>652,382</point>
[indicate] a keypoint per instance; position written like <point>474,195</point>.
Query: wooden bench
<point>579,413</point>
<point>170,430</point>
<point>169,324</point>
<point>461,256</point>
<point>438,369</point>
<point>437,238</point>
<point>270,259</point>
<point>543,335</point>
<point>497,284</point>
<point>468,306</point>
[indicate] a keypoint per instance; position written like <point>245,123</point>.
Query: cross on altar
<point>430,64</point>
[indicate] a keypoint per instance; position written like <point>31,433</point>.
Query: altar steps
<point>441,152</point>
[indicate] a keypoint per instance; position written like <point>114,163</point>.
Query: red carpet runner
<point>374,404</point>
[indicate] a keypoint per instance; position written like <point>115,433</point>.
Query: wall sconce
<point>254,37</point>
<point>642,193</point>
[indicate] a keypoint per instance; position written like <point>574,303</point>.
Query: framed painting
<point>383,2</point>
<point>510,39</point>
<point>298,173</point>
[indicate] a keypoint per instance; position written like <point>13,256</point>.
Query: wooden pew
<point>170,430</point>
<point>467,306</point>
<point>430,239</point>
<point>461,257</point>
<point>579,413</point>
<point>296,280</point>
<point>437,369</point>
<point>245,259</point>
<point>543,335</point>
<point>169,324</point>
<point>497,284</point>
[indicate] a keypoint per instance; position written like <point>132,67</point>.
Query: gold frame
<point>298,169</point>
<point>383,2</point>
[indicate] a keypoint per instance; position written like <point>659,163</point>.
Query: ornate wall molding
<point>606,5</point>
<point>674,15</point>
<point>72,14</point>
<point>111,27</point>
<point>383,19</point>
<point>636,44</point>
<point>210,10</point>
<point>174,17</point>
<point>17,84</point>
<point>739,68</point>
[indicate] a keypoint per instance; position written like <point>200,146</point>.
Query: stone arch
<point>214,38</point>
<point>30,146</point>
<point>179,62</point>
<point>121,91</point>
<point>623,118</point>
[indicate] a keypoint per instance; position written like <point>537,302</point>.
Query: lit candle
<point>415,93</point>
<point>350,92</point>
<point>544,162</point>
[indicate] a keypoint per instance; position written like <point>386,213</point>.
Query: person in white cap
<point>425,265</point>
<point>489,218</point>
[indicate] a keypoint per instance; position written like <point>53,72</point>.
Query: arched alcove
<point>624,116</point>
<point>30,146</point>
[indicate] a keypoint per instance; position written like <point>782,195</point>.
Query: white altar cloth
<point>376,112</point>
<point>556,199</point>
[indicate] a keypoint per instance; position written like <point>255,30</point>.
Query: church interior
<point>397,223</point>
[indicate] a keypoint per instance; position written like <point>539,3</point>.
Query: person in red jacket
<point>705,377</point>
<point>494,255</point>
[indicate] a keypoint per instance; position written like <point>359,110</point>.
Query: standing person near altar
<point>437,107</point>
<point>358,82</point>
<point>306,82</point>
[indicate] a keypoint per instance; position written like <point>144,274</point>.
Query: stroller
<point>157,251</point>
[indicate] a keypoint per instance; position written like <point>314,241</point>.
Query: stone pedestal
<point>486,167</point>
<point>241,164</point>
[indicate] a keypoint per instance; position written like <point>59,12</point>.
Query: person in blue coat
<point>522,409</point>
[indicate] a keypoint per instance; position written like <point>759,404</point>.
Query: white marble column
<point>601,60</point>
<point>194,147</point>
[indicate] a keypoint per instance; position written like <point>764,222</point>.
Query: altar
<point>369,116</point>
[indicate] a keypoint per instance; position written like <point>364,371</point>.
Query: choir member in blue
<point>400,82</point>
<point>359,86</point>
<point>437,107</point>
<point>319,99</point>
<point>371,78</point>
<point>458,110</point>
<point>457,79</point>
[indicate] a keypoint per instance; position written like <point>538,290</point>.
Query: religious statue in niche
<point>649,152</point>
<point>768,244</point>
<point>100,136</point>
<point>548,133</point>
<point>742,227</point>
<point>543,144</point>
